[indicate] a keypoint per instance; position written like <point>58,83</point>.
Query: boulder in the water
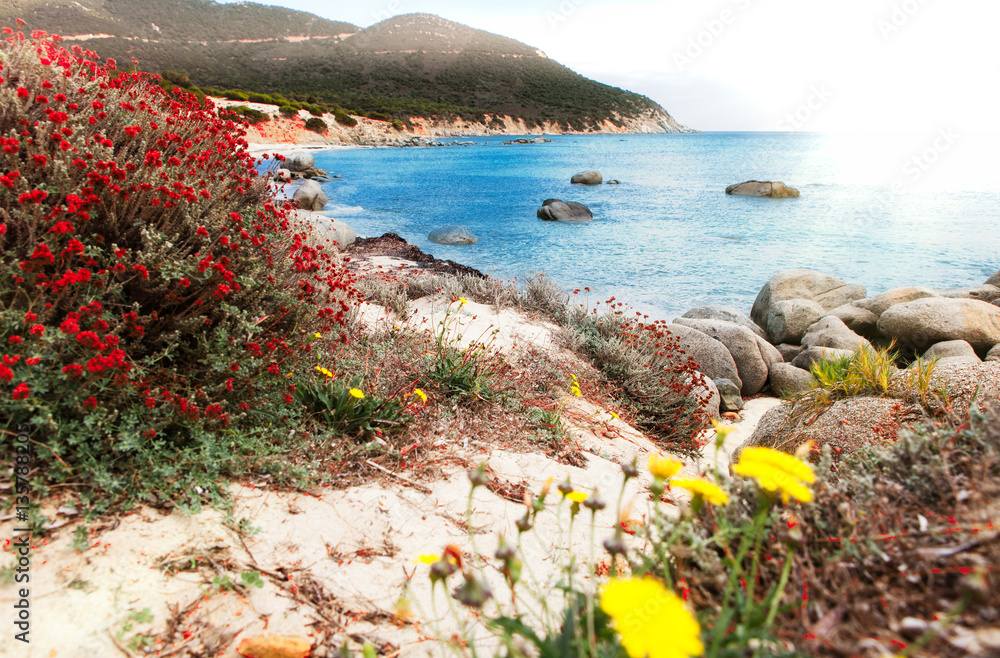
<point>452,235</point>
<point>554,210</point>
<point>592,177</point>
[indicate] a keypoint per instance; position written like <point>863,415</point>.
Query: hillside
<point>417,65</point>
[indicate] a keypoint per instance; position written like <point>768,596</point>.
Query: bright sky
<point>847,65</point>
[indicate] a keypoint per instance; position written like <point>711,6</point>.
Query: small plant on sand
<point>347,409</point>
<point>461,372</point>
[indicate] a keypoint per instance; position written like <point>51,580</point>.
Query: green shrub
<point>177,78</point>
<point>349,409</point>
<point>252,116</point>
<point>151,295</point>
<point>315,110</point>
<point>287,111</point>
<point>233,95</point>
<point>255,97</point>
<point>344,119</point>
<point>316,125</point>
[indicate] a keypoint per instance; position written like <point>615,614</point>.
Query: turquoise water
<point>668,238</point>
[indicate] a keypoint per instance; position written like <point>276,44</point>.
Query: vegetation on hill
<point>408,66</point>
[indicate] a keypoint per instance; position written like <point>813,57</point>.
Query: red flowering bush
<point>151,294</point>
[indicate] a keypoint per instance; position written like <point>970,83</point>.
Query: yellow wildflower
<point>317,335</point>
<point>710,492</point>
<point>663,467</point>
<point>643,610</point>
<point>777,471</point>
<point>614,415</point>
<point>420,394</point>
<point>462,301</point>
<point>577,496</point>
<point>356,392</point>
<point>324,371</point>
<point>575,389</point>
<point>426,558</point>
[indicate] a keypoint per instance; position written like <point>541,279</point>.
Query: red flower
<point>30,317</point>
<point>6,373</point>
<point>23,93</point>
<point>33,361</point>
<point>37,330</point>
<point>202,231</point>
<point>41,99</point>
<point>73,370</point>
<point>39,160</point>
<point>151,403</point>
<point>21,391</point>
<point>69,326</point>
<point>141,270</point>
<point>90,403</point>
<point>90,339</point>
<point>185,283</point>
<point>16,340</point>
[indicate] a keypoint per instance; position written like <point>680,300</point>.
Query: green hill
<point>412,65</point>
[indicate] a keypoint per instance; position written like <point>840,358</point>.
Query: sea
<point>881,211</point>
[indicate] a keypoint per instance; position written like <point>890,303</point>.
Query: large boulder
<point>923,322</point>
<point>811,355</point>
<point>592,177</point>
<point>848,424</point>
<point>775,189</point>
<point>310,196</point>
<point>452,235</point>
<point>985,292</point>
<point>827,291</point>
<point>994,353</point>
<point>726,314</point>
<point>712,357</point>
<point>994,280</point>
<point>788,351</point>
<point>952,352</point>
<point>742,346</point>
<point>300,162</point>
<point>859,320</point>
<point>327,231</point>
<point>832,332</point>
<point>879,303</point>
<point>786,379</point>
<point>554,210</point>
<point>788,320</point>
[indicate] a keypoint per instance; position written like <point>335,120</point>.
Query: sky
<point>917,66</point>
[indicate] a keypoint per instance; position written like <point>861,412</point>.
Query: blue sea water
<point>668,238</point>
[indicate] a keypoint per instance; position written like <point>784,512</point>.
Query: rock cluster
<point>773,189</point>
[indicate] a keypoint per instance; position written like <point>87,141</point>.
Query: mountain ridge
<point>413,65</point>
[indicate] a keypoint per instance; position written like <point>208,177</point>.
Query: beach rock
<point>967,382</point>
<point>879,303</point>
<point>811,355</point>
<point>994,280</point>
<point>327,230</point>
<point>452,235</point>
<point>859,320</point>
<point>788,320</point>
<point>775,190</point>
<point>985,293</point>
<point>848,424</point>
<point>742,346</point>
<point>555,210</point>
<point>922,322</point>
<point>789,352</point>
<point>786,379</point>
<point>592,177</point>
<point>769,352</point>
<point>827,291</point>
<point>708,393</point>
<point>613,182</point>
<point>729,395</point>
<point>310,196</point>
<point>712,357</point>
<point>832,332</point>
<point>300,161</point>
<point>726,314</point>
<point>283,175</point>
<point>994,353</point>
<point>951,352</point>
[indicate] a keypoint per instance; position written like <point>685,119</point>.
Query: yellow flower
<point>663,467</point>
<point>777,471</point>
<point>420,394</point>
<point>710,492</point>
<point>721,431</point>
<point>324,371</point>
<point>651,620</point>
<point>577,496</point>
<point>575,390</point>
<point>614,415</point>
<point>356,392</point>
<point>317,335</point>
<point>426,558</point>
<point>462,301</point>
